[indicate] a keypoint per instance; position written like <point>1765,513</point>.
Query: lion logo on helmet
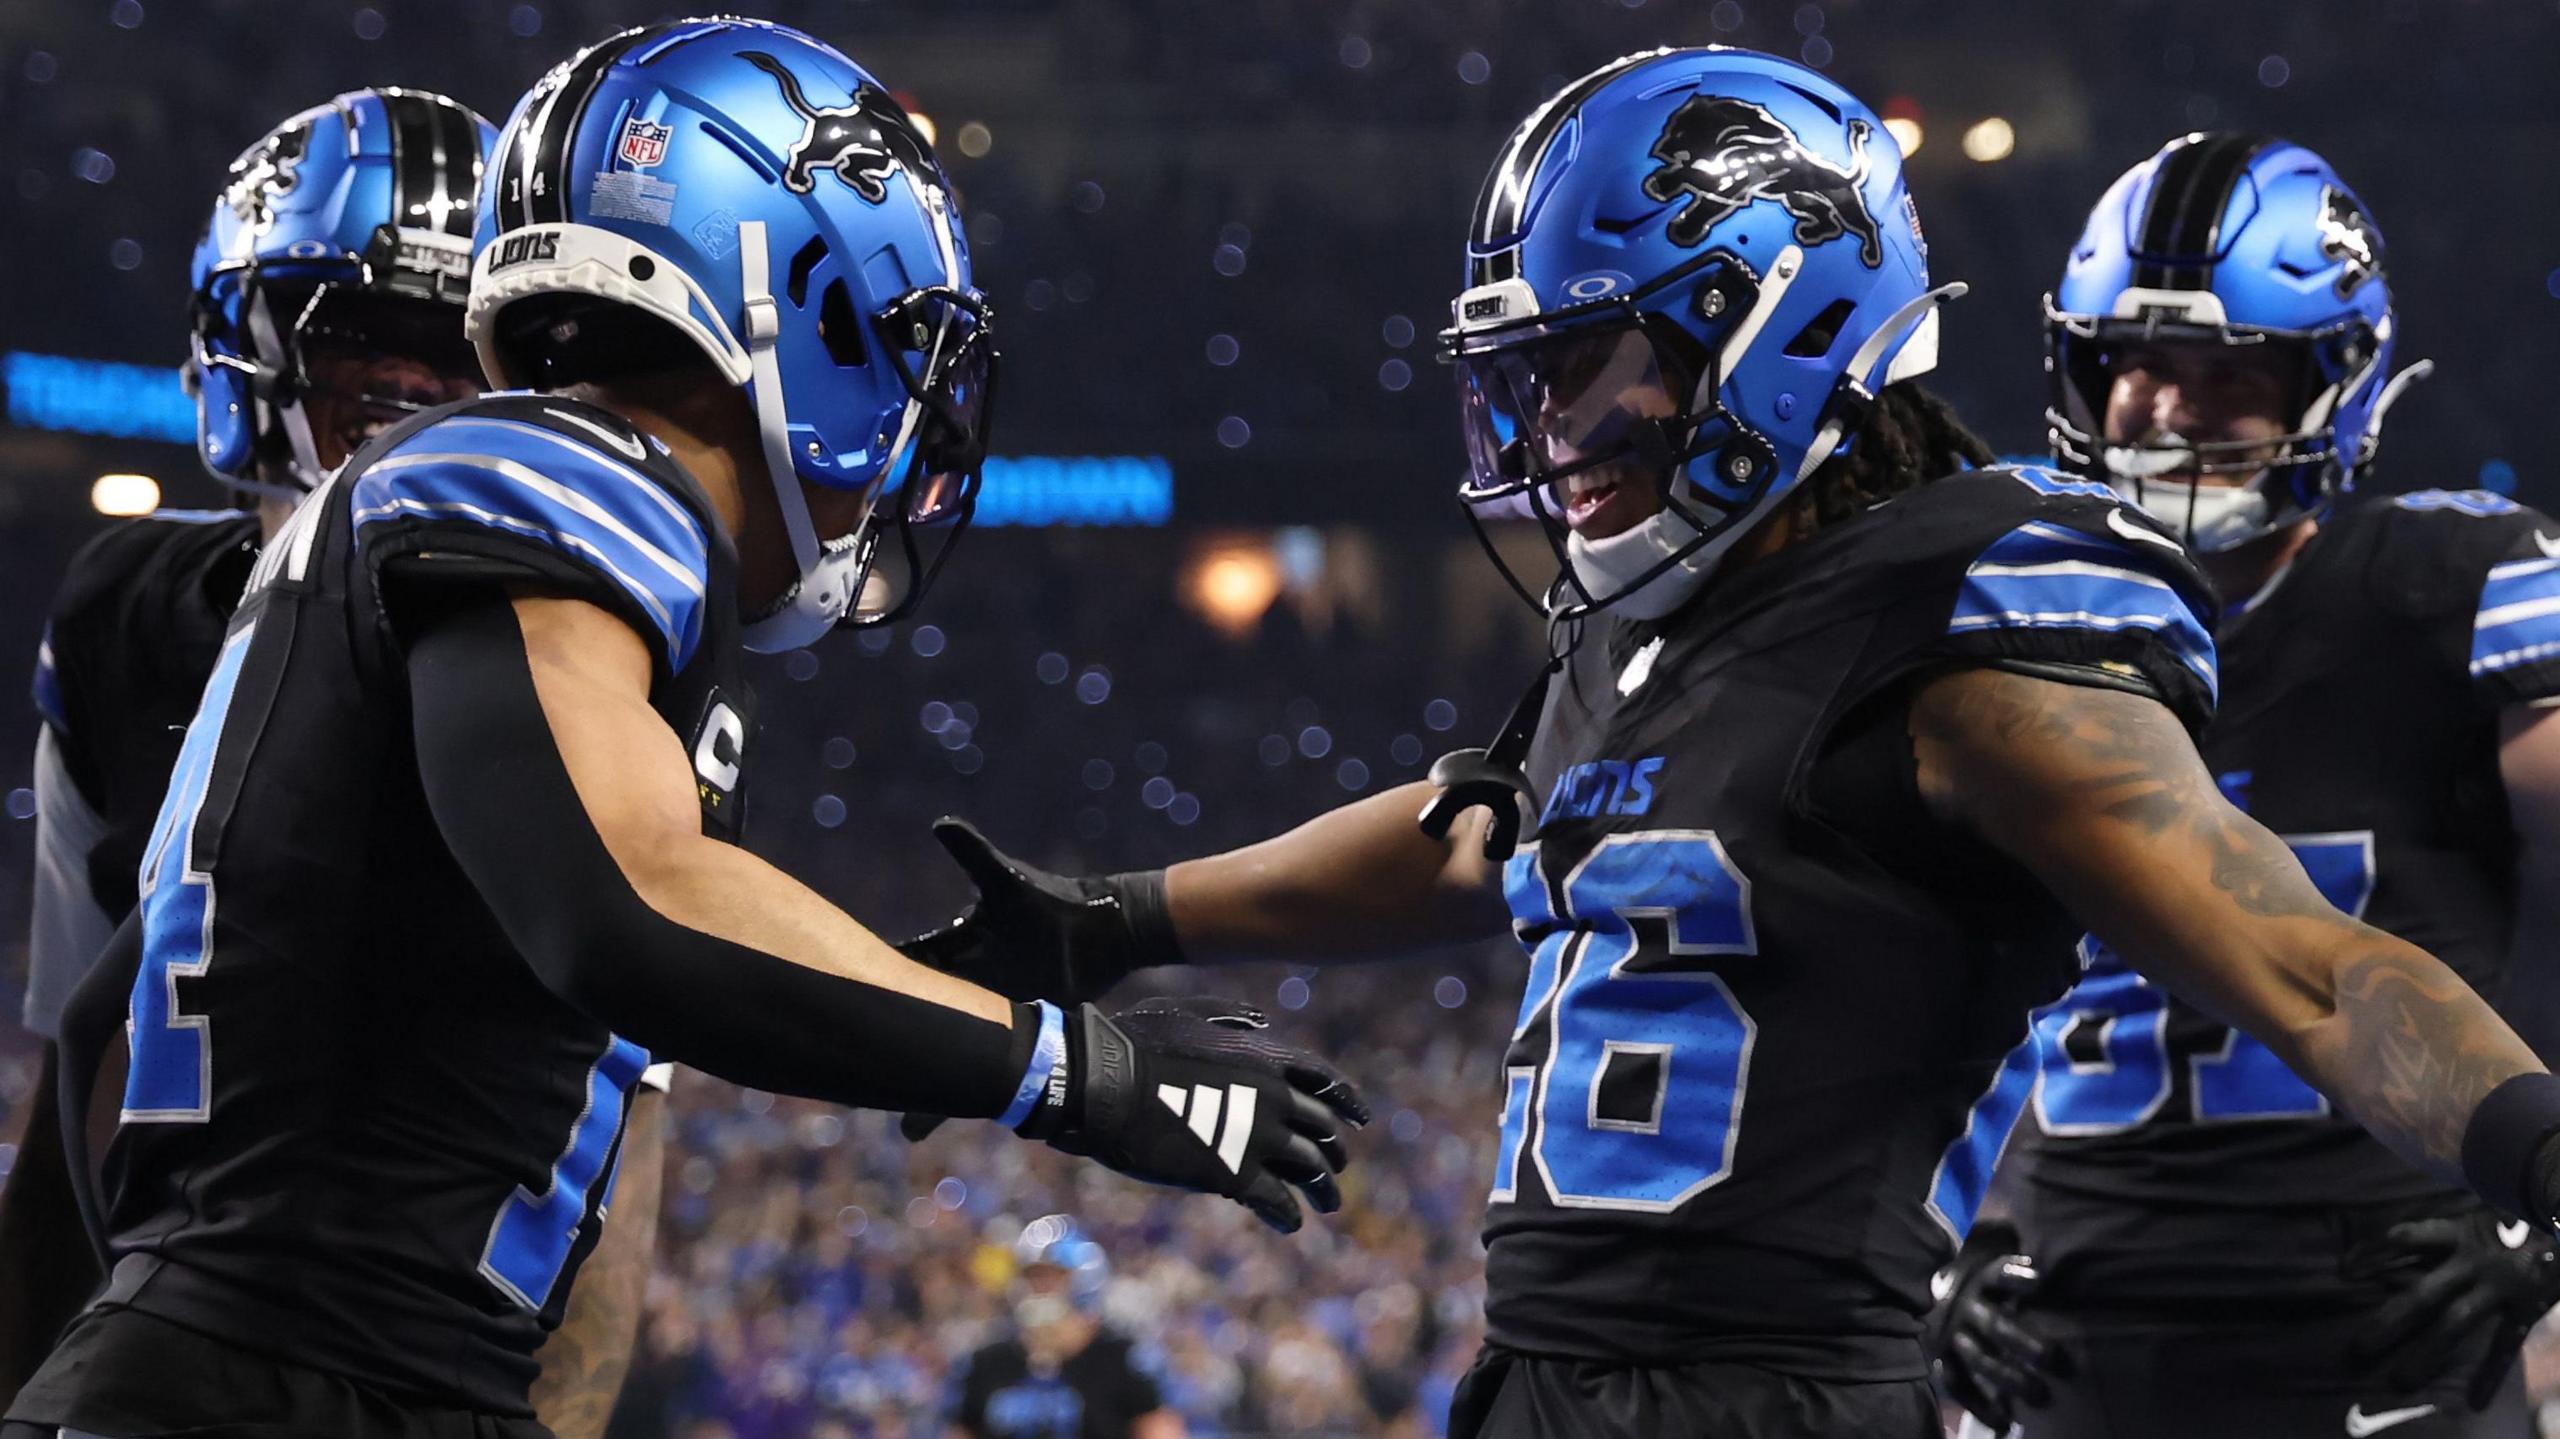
<point>265,172</point>
<point>864,143</point>
<point>2347,237</point>
<point>1724,154</point>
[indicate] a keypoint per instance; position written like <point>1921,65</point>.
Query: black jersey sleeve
<point>2066,581</point>
<point>130,636</point>
<point>543,493</point>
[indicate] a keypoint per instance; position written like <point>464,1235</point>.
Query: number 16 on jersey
<point>1638,1097</point>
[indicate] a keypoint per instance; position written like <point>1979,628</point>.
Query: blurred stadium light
<point>145,402</point>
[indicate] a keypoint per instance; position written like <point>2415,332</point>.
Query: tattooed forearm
<point>2102,795</point>
<point>2412,1050</point>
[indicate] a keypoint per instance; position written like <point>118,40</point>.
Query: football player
<point>1845,745</point>
<point>1062,1373</point>
<point>446,854</point>
<point>2204,1221</point>
<point>328,287</point>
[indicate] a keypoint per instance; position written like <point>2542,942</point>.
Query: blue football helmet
<point>349,222</point>
<point>765,200</point>
<point>2241,240</point>
<point>1055,1241</point>
<point>1703,260</point>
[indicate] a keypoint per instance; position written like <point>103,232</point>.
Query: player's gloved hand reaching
<point>1983,1352</point>
<point>2460,1277</point>
<point>1189,1091</point>
<point>1037,935</point>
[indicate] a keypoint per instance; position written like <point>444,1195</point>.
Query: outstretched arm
<point>1359,882</point>
<point>1352,883</point>
<point>2102,796</point>
<point>571,806</point>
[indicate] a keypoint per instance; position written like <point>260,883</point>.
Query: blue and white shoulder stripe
<point>2518,621</point>
<point>2043,576</point>
<point>536,483</point>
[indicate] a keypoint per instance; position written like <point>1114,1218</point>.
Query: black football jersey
<point>1764,1061</point>
<point>2170,1156</point>
<point>130,638</point>
<point>358,1134</point>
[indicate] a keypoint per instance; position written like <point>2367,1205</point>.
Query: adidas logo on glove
<point>1200,1107</point>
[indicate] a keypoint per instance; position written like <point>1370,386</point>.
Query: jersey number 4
<point>170,1080</point>
<point>1637,1101</point>
<point>2108,1060</point>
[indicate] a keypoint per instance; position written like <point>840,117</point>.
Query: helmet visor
<point>1551,405</point>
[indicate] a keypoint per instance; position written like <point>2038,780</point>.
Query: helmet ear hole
<point>1814,340</point>
<point>797,284</point>
<point>839,328</point>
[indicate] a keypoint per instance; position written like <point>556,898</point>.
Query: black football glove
<point>1037,935</point>
<point>1188,1091</point>
<point>1984,1354</point>
<point>2459,1278</point>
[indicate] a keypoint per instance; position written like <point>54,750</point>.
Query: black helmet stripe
<point>457,166</point>
<point>1506,190</point>
<point>533,165</point>
<point>2182,221</point>
<point>413,158</point>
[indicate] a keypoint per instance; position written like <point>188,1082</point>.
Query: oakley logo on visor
<point>1725,154</point>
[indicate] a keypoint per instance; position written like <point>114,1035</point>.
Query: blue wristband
<point>1048,1053</point>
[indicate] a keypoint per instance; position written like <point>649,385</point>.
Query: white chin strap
<point>824,591</point>
<point>303,469</point>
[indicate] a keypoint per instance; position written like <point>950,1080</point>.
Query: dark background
<point>1130,140</point>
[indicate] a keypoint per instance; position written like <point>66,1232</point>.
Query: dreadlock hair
<point>1910,438</point>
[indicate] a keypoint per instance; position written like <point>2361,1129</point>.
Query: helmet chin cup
<point>817,603</point>
<point>2212,519</point>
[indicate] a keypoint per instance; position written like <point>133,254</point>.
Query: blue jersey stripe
<point>1964,1171</point>
<point>611,519</point>
<point>2519,618</point>
<point>2044,576</point>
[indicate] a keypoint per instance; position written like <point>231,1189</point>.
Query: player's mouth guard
<point>588,260</point>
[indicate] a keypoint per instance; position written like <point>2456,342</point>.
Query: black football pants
<point>1511,1395</point>
<point>2295,1380</point>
